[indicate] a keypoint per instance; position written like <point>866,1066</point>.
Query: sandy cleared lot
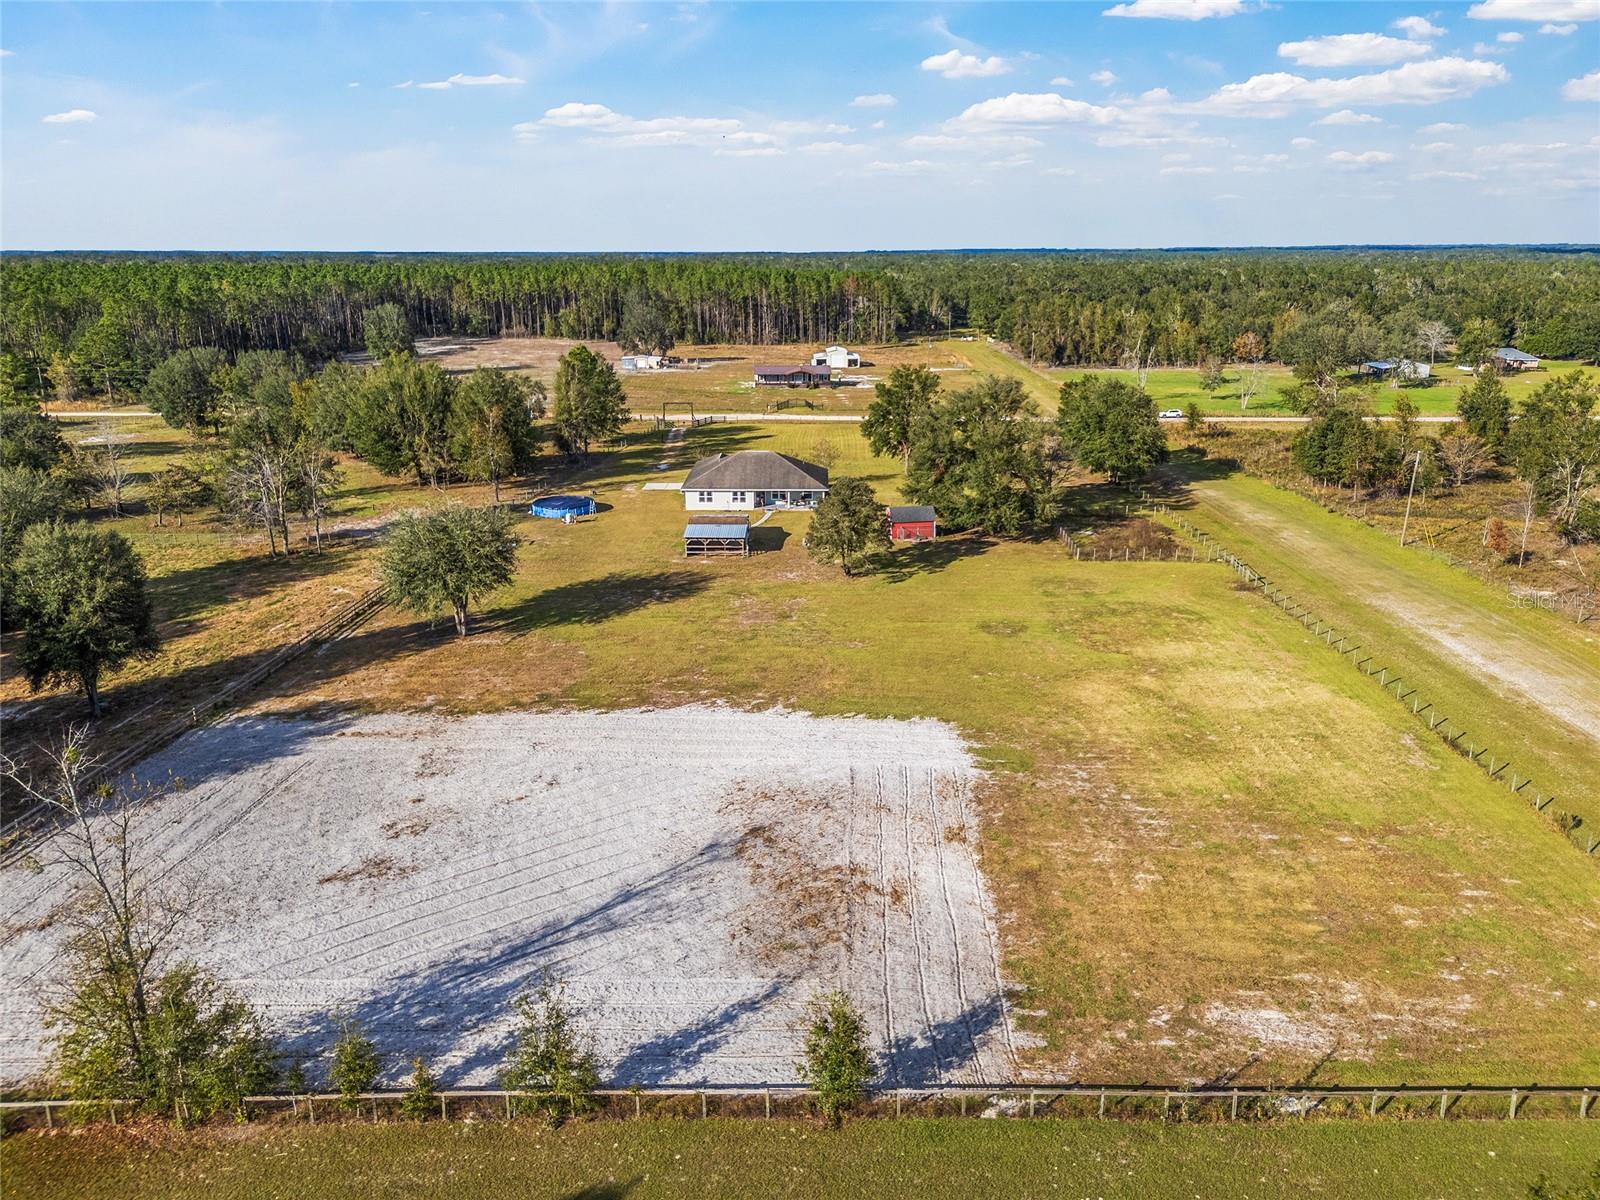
<point>694,874</point>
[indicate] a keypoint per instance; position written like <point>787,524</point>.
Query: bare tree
<point>1465,455</point>
<point>123,925</point>
<point>1434,337</point>
<point>1527,504</point>
<point>1252,380</point>
<point>109,459</point>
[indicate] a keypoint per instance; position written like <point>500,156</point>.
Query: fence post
<point>1583,1105</point>
<point>1234,1115</point>
<point>897,1102</point>
<point>702,1104</point>
<point>311,1110</point>
<point>49,1122</point>
<point>1102,1102</point>
<point>1372,1108</point>
<point>963,1104</point>
<point>1513,1114</point>
<point>442,1116</point>
<point>1444,1094</point>
<point>767,1095</point>
<point>1033,1098</point>
<point>508,1106</point>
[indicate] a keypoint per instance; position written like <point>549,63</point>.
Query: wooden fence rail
<point>1006,1099</point>
<point>1497,769</point>
<point>342,621</point>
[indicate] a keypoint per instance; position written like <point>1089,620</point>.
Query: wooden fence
<point>1499,770</point>
<point>342,621</point>
<point>1121,1101</point>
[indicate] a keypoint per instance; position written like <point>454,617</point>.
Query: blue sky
<point>441,126</point>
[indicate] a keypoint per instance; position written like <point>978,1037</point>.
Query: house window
<point>705,497</point>
<point>739,498</point>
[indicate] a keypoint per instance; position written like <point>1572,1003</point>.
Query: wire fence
<point>1108,1101</point>
<point>1449,731</point>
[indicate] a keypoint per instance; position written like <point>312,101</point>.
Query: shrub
<point>355,1063</point>
<point>837,1063</point>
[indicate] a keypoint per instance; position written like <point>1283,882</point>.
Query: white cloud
<point>526,131</point>
<point>1585,88</point>
<point>1279,93</point>
<point>831,148</point>
<point>909,167</point>
<point>1535,10</point>
<point>746,152</point>
<point>1188,170</point>
<point>1417,27</point>
<point>1346,116</point>
<point>1353,50</point>
<point>1062,81</point>
<point>1452,176</point>
<point>1146,140</point>
<point>6,53</point>
<point>1011,162</point>
<point>953,64</point>
<point>459,80</point>
<point>1103,78</point>
<point>1509,38</point>
<point>1177,10</point>
<point>73,116</point>
<point>1300,143</point>
<point>1061,172</point>
<point>875,100</point>
<point>1566,30</point>
<point>987,141</point>
<point>808,127</point>
<point>1442,127</point>
<point>1435,147</point>
<point>1367,158</point>
<point>354,85</point>
<point>655,131</point>
<point>878,124</point>
<point>1035,108</point>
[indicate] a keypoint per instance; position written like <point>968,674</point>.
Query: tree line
<point>101,322</point>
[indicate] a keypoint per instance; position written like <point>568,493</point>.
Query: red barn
<point>912,523</point>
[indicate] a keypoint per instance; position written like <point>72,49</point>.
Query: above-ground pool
<point>560,507</point>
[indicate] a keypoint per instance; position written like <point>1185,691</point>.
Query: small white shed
<point>836,357</point>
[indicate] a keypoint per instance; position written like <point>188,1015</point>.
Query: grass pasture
<point>926,1159</point>
<point>1219,850</point>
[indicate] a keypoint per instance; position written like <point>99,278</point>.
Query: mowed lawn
<point>1523,681</point>
<point>920,1159</point>
<point>1178,387</point>
<point>1216,848</point>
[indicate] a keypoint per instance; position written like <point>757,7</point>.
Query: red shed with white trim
<point>912,523</point>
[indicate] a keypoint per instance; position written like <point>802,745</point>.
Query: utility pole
<point>1416,465</point>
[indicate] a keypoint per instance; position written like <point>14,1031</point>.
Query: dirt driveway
<point>1556,671</point>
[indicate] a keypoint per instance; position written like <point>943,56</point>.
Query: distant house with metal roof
<point>1405,368</point>
<point>793,376</point>
<point>717,536</point>
<point>1509,358</point>
<point>837,358</point>
<point>754,479</point>
<point>912,522</point>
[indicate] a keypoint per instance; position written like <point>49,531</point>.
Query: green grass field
<point>924,1159</point>
<point>1218,847</point>
<point>1178,387</point>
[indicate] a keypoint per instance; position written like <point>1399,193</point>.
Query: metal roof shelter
<point>755,471</point>
<point>717,536</point>
<point>1512,355</point>
<point>912,512</point>
<point>801,375</point>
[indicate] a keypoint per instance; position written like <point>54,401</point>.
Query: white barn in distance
<point>836,357</point>
<point>753,479</point>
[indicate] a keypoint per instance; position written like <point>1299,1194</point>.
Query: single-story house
<point>836,357</point>
<point>717,536</point>
<point>801,376</point>
<point>1508,358</point>
<point>643,362</point>
<point>1405,368</point>
<point>912,523</point>
<point>754,479</point>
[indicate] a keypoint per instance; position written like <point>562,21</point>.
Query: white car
<point>1171,414</point>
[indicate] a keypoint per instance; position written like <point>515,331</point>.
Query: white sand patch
<point>694,874</point>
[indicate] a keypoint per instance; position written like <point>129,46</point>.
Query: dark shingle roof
<point>911,512</point>
<point>755,471</point>
<point>798,369</point>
